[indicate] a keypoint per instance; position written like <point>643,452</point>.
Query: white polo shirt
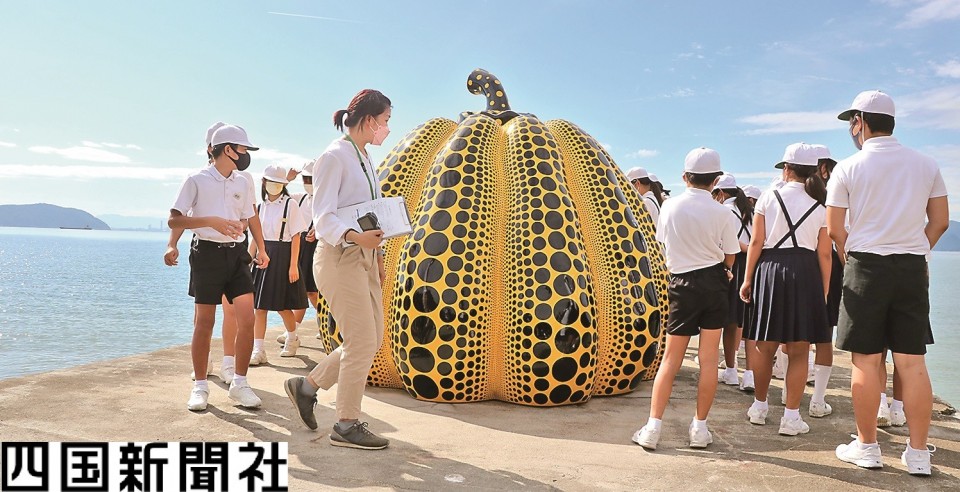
<point>252,188</point>
<point>207,193</point>
<point>743,233</point>
<point>775,222</point>
<point>305,201</point>
<point>696,231</point>
<point>653,208</point>
<point>339,181</point>
<point>886,187</point>
<point>271,218</point>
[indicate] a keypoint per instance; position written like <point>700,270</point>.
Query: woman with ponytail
<point>731,196</point>
<point>787,279</point>
<point>348,268</point>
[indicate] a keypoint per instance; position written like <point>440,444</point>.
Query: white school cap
<point>214,127</point>
<point>307,169</point>
<point>800,154</point>
<point>702,161</point>
<point>230,134</point>
<point>823,152</point>
<point>637,173</point>
<point>726,181</point>
<point>869,102</point>
<point>751,191</point>
<point>654,178</point>
<point>276,174</point>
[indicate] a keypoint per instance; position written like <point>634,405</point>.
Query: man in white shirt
<point>641,182</point>
<point>885,302</point>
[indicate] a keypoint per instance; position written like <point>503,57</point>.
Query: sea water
<point>70,297</point>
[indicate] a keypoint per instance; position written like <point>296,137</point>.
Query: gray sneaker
<point>357,436</point>
<point>303,404</point>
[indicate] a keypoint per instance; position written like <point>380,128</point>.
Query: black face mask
<point>242,161</point>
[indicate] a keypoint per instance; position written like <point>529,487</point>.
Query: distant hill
<point>951,239</point>
<point>49,216</point>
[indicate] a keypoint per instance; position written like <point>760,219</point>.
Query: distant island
<point>49,216</point>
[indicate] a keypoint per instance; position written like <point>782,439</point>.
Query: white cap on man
<point>800,154</point>
<point>275,173</point>
<point>702,161</point>
<point>637,173</point>
<point>726,182</point>
<point>869,102</point>
<point>214,127</point>
<point>230,134</point>
<point>751,191</point>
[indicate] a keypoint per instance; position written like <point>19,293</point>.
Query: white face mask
<point>308,188</point>
<point>273,188</point>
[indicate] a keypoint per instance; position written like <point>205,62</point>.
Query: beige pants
<point>349,280</point>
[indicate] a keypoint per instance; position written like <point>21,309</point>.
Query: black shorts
<point>698,300</point>
<point>217,270</point>
<point>885,304</point>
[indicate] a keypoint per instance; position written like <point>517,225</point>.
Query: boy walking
<point>885,301</point>
<point>214,203</point>
<point>700,240</point>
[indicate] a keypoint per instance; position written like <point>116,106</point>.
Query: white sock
<point>291,335</point>
<point>201,384</point>
<point>257,344</point>
<point>762,405</point>
<point>229,361</point>
<point>699,424</point>
<point>791,413</point>
<point>883,399</point>
<point>821,375</point>
<point>239,380</point>
<point>654,423</point>
<point>896,406</point>
<point>867,445</point>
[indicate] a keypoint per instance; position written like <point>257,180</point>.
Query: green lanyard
<point>363,166</point>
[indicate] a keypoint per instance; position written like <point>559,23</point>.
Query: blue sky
<point>104,104</point>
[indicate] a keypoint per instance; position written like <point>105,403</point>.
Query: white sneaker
<point>747,384</point>
<point>244,395</point>
<point>728,377</point>
<point>290,348</point>
<point>792,427</point>
<point>757,416</point>
<point>897,418</point>
<point>258,357</point>
<point>783,395</point>
<point>193,374</point>
<point>917,461</point>
<point>780,366</point>
<point>226,374</point>
<point>864,458</point>
<point>647,437</point>
<point>282,338</point>
<point>700,438</point>
<point>819,409</point>
<point>198,400</point>
<point>883,416</point>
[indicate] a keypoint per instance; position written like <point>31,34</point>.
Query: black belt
<point>213,244</point>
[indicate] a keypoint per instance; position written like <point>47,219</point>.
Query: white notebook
<point>391,213</point>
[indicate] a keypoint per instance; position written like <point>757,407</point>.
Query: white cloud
<point>679,92</point>
<point>84,153</point>
<point>936,108</point>
<point>95,172</point>
<point>793,122</point>
<point>643,153</point>
<point>930,11</point>
<point>269,157</point>
<point>948,69</point>
<point>7,144</point>
<point>120,146</point>
<point>87,143</point>
<point>606,146</point>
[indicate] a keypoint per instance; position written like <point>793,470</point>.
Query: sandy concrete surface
<point>477,446</point>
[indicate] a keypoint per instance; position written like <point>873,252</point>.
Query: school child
<point>731,196</point>
<point>278,287</point>
<point>787,277</point>
<point>308,246</point>
<point>641,182</point>
<point>215,203</point>
<point>700,241</point>
<point>753,193</point>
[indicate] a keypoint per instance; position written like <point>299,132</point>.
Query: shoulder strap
<point>302,199</point>
<point>743,227</point>
<point>283,222</point>
<point>792,233</point>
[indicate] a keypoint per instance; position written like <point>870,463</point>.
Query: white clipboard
<point>391,213</point>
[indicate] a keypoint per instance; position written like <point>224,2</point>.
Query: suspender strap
<point>743,227</point>
<point>283,222</point>
<point>303,199</point>
<point>792,233</point>
<point>652,201</point>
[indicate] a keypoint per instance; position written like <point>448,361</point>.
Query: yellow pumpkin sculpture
<point>532,274</point>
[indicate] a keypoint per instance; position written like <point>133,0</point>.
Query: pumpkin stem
<point>483,82</point>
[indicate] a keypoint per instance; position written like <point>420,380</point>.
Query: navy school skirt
<point>788,303</point>
<point>307,250</point>
<point>738,308</point>
<point>272,290</point>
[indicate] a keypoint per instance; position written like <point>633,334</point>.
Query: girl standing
<point>278,287</point>
<point>787,277</point>
<point>348,267</point>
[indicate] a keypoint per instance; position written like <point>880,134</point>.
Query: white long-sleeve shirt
<point>339,181</point>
